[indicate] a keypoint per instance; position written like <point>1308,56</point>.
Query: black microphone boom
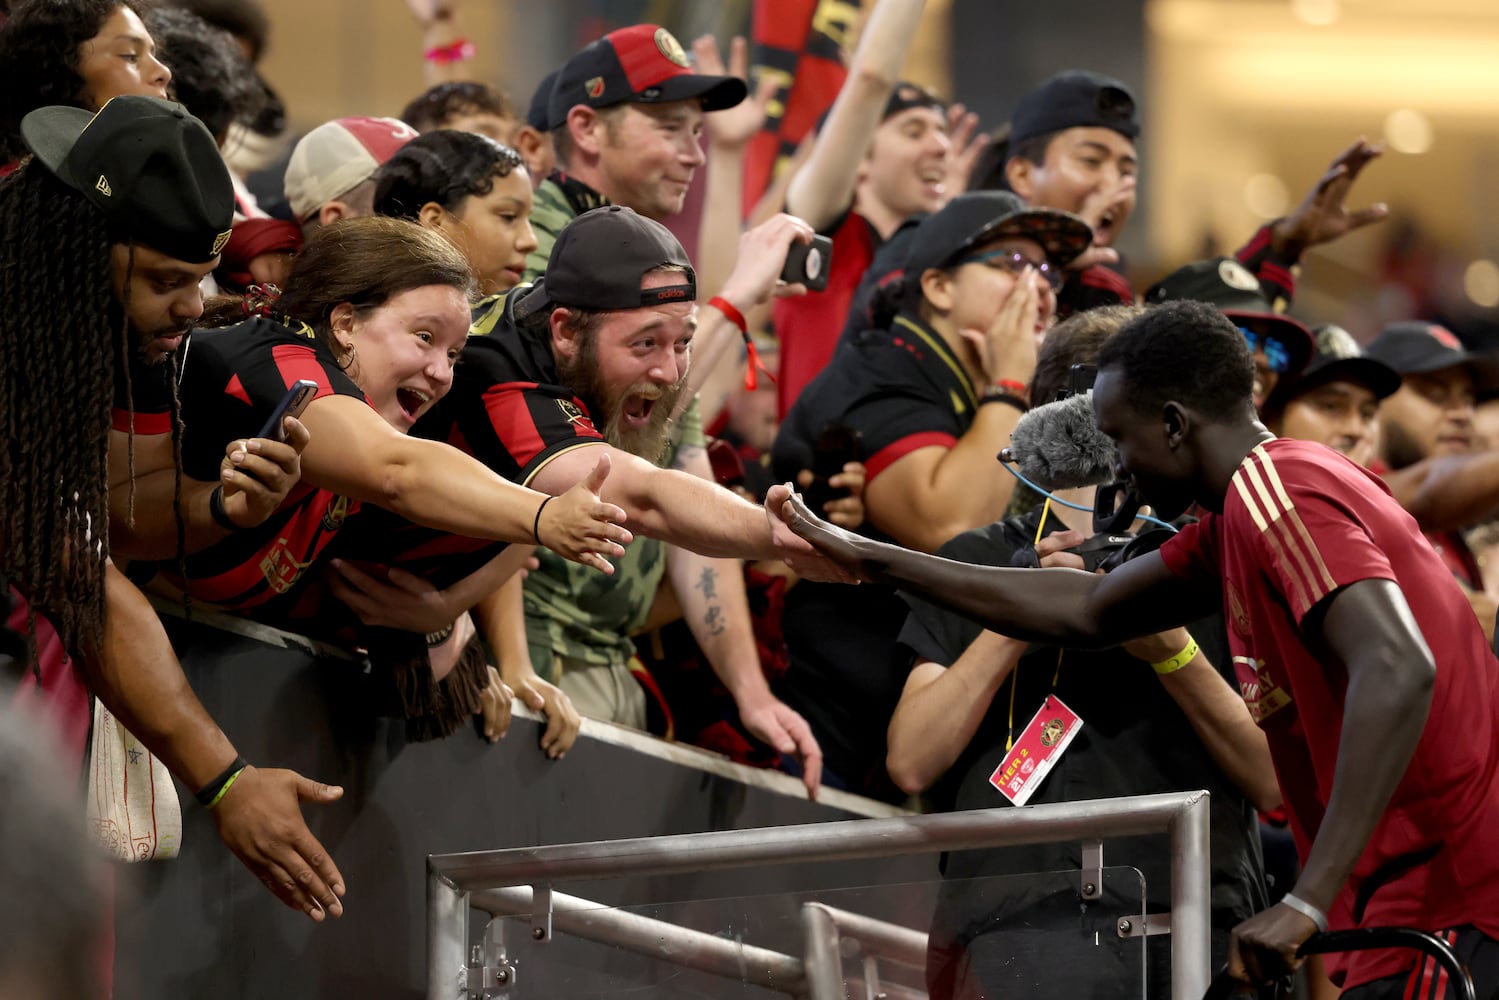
<point>1058,446</point>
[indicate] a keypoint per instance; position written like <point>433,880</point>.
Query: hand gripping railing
<point>1183,816</point>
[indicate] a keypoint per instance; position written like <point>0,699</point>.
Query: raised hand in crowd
<point>762,255</point>
<point>1108,200</point>
<point>968,143</point>
<point>733,127</point>
<point>1322,215</point>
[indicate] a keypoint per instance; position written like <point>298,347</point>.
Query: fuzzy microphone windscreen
<point>1058,446</point>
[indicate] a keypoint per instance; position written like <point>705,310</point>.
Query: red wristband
<point>751,379</point>
<point>1012,388</point>
<point>461,50</point>
<point>733,315</point>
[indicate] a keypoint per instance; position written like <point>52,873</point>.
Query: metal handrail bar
<point>1182,815</point>
<point>845,840</point>
<point>878,937</point>
<point>658,939</point>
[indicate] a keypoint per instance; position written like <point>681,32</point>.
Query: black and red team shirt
<point>143,399</point>
<point>807,326</point>
<point>899,390</point>
<point>1300,522</point>
<point>232,380</point>
<point>508,409</point>
<point>1086,289</point>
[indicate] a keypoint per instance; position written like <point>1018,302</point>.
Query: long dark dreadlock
<point>64,342</point>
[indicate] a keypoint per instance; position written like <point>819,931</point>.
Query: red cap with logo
<point>641,64</point>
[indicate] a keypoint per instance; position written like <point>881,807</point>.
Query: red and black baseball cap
<point>1416,347</point>
<point>641,64</point>
<point>151,168</point>
<point>1229,285</point>
<point>598,261</point>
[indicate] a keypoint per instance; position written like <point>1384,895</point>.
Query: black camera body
<point>1104,552</point>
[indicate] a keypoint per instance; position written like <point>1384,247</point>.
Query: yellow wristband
<point>225,790</point>
<point>1186,656</point>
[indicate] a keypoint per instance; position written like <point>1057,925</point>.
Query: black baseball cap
<point>149,166</point>
<point>1336,358</point>
<point>598,261</point>
<point>536,114</point>
<point>641,64</point>
<point>978,217</point>
<point>1227,284</point>
<point>1416,347</point>
<point>1075,98</point>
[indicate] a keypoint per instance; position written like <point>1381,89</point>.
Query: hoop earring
<point>347,361</point>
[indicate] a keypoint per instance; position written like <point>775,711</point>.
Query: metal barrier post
<point>1191,902</point>
<point>447,940</point>
<point>821,955</point>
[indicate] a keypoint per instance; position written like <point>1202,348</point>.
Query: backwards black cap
<point>149,166</point>
<point>1075,98</point>
<point>598,261</point>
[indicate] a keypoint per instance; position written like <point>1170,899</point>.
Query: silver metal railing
<point>455,882</point>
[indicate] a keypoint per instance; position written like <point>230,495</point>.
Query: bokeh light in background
<point>1408,131</point>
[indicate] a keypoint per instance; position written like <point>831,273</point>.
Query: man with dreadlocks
<point>137,205</point>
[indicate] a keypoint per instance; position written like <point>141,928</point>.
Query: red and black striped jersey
<point>232,380</point>
<point>507,409</point>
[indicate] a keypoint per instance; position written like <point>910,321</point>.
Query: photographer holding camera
<point>960,733</point>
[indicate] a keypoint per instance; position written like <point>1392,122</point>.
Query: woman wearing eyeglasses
<point>926,402</point>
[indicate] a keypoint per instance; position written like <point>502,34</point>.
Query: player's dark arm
<point>1060,607</point>
<point>1449,492</point>
<point>1370,628</point>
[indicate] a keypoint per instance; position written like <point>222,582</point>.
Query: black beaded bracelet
<point>1009,399</point>
<point>536,524</point>
<point>208,792</point>
<point>217,512</point>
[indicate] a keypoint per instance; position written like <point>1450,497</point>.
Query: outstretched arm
<point>1063,607</point>
<point>356,454</point>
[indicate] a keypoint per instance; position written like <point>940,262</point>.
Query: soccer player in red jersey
<point>1355,650</point>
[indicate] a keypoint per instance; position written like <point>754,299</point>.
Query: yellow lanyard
<point>1015,673</point>
<point>940,348</point>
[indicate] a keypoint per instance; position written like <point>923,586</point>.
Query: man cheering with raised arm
<point>1355,650</point>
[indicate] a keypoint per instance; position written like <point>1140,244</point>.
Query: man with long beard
<point>595,355</point>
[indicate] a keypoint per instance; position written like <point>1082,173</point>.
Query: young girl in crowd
<point>471,190</point>
<point>77,52</point>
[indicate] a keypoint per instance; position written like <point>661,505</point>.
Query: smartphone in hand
<point>809,264</point>
<point>291,405</point>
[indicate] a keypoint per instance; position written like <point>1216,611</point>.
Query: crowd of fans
<point>536,455</point>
